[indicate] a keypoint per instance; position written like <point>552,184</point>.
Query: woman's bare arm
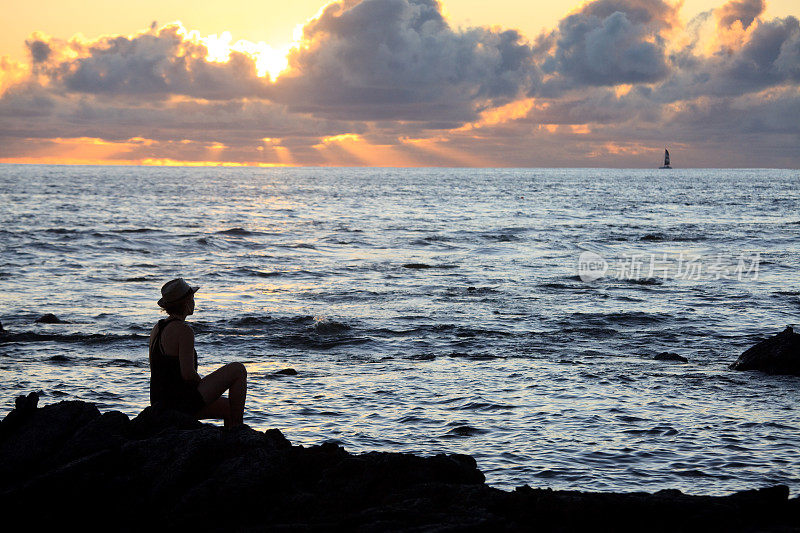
<point>186,354</point>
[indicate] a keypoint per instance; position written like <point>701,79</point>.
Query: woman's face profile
<point>190,305</point>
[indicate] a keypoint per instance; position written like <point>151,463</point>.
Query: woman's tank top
<point>166,382</point>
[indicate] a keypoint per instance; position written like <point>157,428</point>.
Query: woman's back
<point>166,380</point>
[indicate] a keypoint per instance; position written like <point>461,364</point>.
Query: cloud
<point>40,50</point>
<point>400,60</point>
<point>655,13</point>
<point>391,82</point>
<point>768,56</point>
<point>32,111</point>
<point>742,11</point>
<point>611,42</point>
<point>25,100</point>
<point>12,73</point>
<point>157,63</point>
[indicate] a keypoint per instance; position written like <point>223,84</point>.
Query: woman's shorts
<point>186,400</point>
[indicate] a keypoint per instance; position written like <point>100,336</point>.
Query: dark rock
<point>24,407</point>
<point>465,431</point>
<point>777,355</point>
<point>669,356</point>
<point>49,318</point>
<point>67,465</point>
<point>416,265</point>
<point>32,439</point>
<point>27,404</point>
<point>1,329</point>
<point>157,418</point>
<point>286,372</point>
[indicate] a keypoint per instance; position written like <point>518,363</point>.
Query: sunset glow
<point>350,83</point>
<point>268,60</point>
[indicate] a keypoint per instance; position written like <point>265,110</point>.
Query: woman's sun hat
<point>174,291</point>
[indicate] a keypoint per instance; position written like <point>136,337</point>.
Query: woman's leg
<point>218,409</point>
<point>232,377</point>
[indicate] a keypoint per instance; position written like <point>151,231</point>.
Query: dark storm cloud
<point>155,64</point>
<point>747,116</point>
<point>39,50</point>
<point>26,100</point>
<point>598,106</point>
<point>31,111</point>
<point>610,42</point>
<point>745,11</point>
<point>769,57</point>
<point>399,59</point>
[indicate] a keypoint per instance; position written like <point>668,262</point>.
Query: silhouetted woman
<point>174,381</point>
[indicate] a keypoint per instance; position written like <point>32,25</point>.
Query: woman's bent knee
<point>238,368</point>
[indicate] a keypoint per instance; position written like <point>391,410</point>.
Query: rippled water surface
<point>429,310</point>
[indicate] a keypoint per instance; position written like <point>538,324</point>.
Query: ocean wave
<point>329,326</point>
<point>500,237</point>
<point>424,330</point>
<point>421,357</point>
<point>137,230</point>
<point>422,266</point>
<point>628,318</point>
<point>250,271</point>
<point>316,341</point>
<point>210,243</point>
<point>483,406</point>
<point>293,331</point>
<point>643,281</point>
<point>672,237</point>
<point>239,232</point>
<point>297,245</point>
<point>80,338</point>
<point>242,232</point>
<point>431,239</point>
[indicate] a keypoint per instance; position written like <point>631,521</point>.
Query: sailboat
<point>666,159</point>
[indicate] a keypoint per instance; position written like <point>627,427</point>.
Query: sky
<point>507,83</point>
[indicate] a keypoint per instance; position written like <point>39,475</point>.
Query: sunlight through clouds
<point>269,61</point>
<point>395,83</point>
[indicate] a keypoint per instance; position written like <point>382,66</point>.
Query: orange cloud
<point>506,113</point>
<point>11,73</point>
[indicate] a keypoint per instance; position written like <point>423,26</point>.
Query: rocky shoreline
<point>68,464</point>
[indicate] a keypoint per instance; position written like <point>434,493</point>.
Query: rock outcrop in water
<point>777,355</point>
<point>49,318</point>
<point>66,464</point>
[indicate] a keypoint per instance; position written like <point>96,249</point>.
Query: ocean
<point>510,314</point>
